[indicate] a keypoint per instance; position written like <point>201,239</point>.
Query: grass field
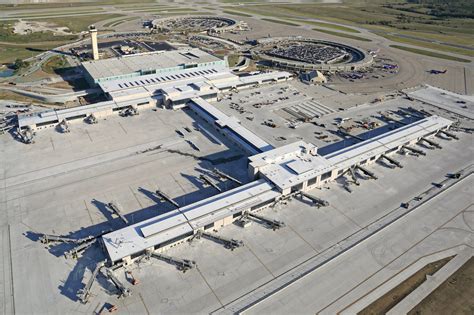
<point>233,59</point>
<point>81,23</point>
<point>426,44</point>
<point>280,22</point>
<point>342,35</point>
<point>54,12</point>
<point>454,296</point>
<point>391,298</point>
<point>379,17</point>
<point>328,25</point>
<point>429,53</point>
<point>238,1</point>
<point>54,63</point>
<point>7,35</point>
<point>67,4</point>
<point>236,13</point>
<point>8,53</point>
<point>13,46</point>
<point>119,21</point>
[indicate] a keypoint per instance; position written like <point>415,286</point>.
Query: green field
<point>328,25</point>
<point>239,1</point>
<point>342,35</point>
<point>233,59</point>
<point>236,13</point>
<point>81,23</point>
<point>67,5</point>
<point>119,21</point>
<point>385,17</point>
<point>8,53</point>
<point>429,53</point>
<point>55,13</point>
<point>54,64</point>
<point>7,35</point>
<point>280,22</point>
<point>425,44</point>
<point>13,46</point>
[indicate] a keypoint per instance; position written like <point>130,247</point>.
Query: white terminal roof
<point>166,227</point>
<point>153,81</point>
<point>104,68</point>
<point>55,116</point>
<point>191,84</point>
<point>291,164</point>
<point>380,144</point>
<point>284,166</point>
<point>298,162</point>
<point>235,130</point>
<point>140,236</point>
<point>204,212</point>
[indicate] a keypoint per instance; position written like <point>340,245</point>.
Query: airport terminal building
<point>275,174</point>
<point>194,79</point>
<point>165,79</point>
<point>157,62</point>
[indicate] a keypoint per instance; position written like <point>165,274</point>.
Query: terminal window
<point>325,176</point>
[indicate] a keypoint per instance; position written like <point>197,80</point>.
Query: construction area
<point>186,185</point>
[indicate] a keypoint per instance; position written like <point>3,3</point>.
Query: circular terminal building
<point>302,54</point>
<point>196,24</point>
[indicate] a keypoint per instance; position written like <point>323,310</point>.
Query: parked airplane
<point>434,71</point>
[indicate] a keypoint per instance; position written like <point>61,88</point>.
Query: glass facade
<point>202,65</point>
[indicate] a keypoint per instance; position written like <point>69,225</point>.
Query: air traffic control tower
<point>95,47</point>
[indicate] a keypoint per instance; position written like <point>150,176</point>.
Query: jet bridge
<point>391,160</point>
<point>209,182</point>
<point>226,176</point>
<point>449,134</point>
<point>182,264</point>
<point>124,291</point>
<point>129,111</point>
<point>316,201</point>
<point>27,136</point>
<point>64,126</point>
<point>414,150</point>
<point>430,142</point>
<point>366,171</point>
<point>73,253</point>
<point>114,206</point>
<point>84,293</point>
<point>165,197</point>
<point>273,224</point>
<point>91,119</point>
<point>229,243</point>
<point>351,172</point>
<point>47,238</point>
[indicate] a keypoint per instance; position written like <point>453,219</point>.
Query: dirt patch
<point>27,27</point>
<point>9,95</point>
<point>394,296</point>
<point>454,296</point>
